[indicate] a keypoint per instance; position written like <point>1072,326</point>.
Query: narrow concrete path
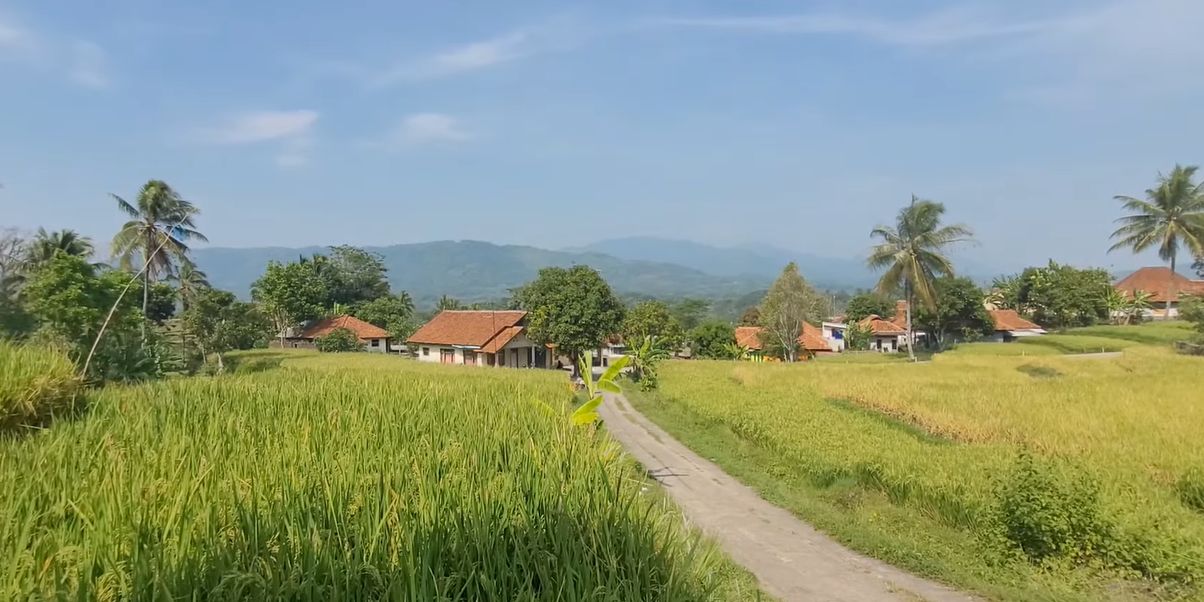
<point>791,560</point>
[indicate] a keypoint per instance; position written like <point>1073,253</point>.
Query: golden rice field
<point>1047,477</point>
<point>353,477</point>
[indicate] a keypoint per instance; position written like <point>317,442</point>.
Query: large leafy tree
<point>789,304</point>
<point>1062,296</point>
<point>1170,218</point>
<point>222,323</point>
<point>393,313</point>
<point>712,339</point>
<point>866,304</point>
<point>652,319</point>
<point>292,293</point>
<point>157,234</point>
<point>44,245</point>
<point>959,313</point>
<point>571,308</point>
<point>690,312</point>
<point>356,275</point>
<point>913,255</point>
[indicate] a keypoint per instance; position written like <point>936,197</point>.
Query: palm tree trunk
<point>1170,291</point>
<point>145,301</point>
<point>911,336</point>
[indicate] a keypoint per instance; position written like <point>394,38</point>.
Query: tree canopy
<point>1060,296</point>
<point>866,304</point>
<point>1170,218</point>
<point>959,314</point>
<point>652,319</point>
<point>789,304</point>
<point>572,308</point>
<point>712,339</point>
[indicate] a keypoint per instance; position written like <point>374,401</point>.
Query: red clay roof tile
<point>1157,281</point>
<point>466,328</point>
<point>362,329</point>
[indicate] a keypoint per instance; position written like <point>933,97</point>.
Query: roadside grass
<point>1150,333</point>
<point>35,384</point>
<point>1023,478</point>
<point>341,477</point>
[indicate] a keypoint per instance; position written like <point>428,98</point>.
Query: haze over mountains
<point>476,271</point>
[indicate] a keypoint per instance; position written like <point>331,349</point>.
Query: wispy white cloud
<point>431,128</point>
<point>461,59</point>
<point>949,26</point>
<point>261,126</point>
<point>89,65</point>
<point>14,37</point>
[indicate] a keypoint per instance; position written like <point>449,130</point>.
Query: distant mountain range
<point>476,271</point>
<point>637,266</point>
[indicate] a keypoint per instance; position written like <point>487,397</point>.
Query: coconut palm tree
<point>156,236</point>
<point>912,253</point>
<point>189,281</point>
<point>1170,217</point>
<point>45,245</point>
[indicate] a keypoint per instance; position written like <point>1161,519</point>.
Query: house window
<point>376,342</point>
<point>426,351</point>
<point>470,358</point>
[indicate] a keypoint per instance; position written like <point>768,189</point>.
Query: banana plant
<point>588,412</point>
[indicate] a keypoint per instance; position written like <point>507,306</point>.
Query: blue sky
<point>800,124</point>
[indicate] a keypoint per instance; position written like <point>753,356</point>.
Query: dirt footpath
<point>792,561</point>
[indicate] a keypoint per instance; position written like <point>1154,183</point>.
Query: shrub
<point>1051,514</point>
<point>1190,488</point>
<point>339,340</point>
<point>35,383</point>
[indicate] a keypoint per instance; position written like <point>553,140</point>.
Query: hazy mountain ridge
<point>475,270</point>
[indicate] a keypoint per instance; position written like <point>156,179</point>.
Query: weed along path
<point>792,561</point>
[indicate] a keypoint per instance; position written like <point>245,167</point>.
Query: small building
<point>479,338</point>
<point>811,340</point>
<point>1164,287</point>
<point>833,332</point>
<point>374,338</point>
<point>886,336</point>
<point>1010,326</point>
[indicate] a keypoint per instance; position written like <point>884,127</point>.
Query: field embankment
<point>1024,478</point>
<point>349,477</point>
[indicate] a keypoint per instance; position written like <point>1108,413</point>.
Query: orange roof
<point>502,339</point>
<point>1157,282</point>
<point>466,328</point>
<point>879,327</point>
<point>1008,319</point>
<point>362,329</point>
<point>812,339</point>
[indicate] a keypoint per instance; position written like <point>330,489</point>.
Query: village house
<point>811,341</point>
<point>886,336</point>
<point>479,338</point>
<point>1164,287</point>
<point>1010,325</point>
<point>373,338</point>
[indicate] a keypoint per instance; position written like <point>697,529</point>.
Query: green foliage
<point>789,304</point>
<point>572,308</point>
<point>35,383</point>
<point>1047,513</point>
<point>1192,309</point>
<point>352,477</point>
<point>857,337</point>
<point>645,355</point>
<point>218,322</point>
<point>15,321</point>
<point>339,340</point>
<point>690,312</point>
<point>45,245</point>
<point>1061,296</point>
<point>652,319</point>
<point>1190,488</point>
<point>161,223</point>
<point>393,313</point>
<point>70,301</point>
<point>712,339</point>
<point>751,316</point>
<point>959,314</point>
<point>292,293</point>
<point>867,304</point>
<point>587,413</point>
<point>447,303</point>
<point>160,303</point>
<point>355,276</point>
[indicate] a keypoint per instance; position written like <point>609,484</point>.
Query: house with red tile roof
<point>373,338</point>
<point>1166,289</point>
<point>811,340</point>
<point>479,338</point>
<point>887,336</point>
<point>1010,325</point>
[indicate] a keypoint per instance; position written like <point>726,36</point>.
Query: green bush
<point>340,340</point>
<point>1190,488</point>
<point>1049,513</point>
<point>35,383</point>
